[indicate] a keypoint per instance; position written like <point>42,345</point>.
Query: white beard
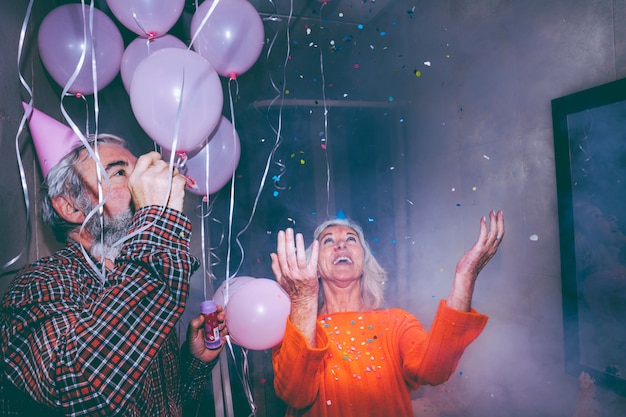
<point>108,239</point>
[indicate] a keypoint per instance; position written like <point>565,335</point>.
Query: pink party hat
<point>53,140</point>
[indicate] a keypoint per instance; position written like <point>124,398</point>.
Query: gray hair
<point>374,276</point>
<point>64,180</point>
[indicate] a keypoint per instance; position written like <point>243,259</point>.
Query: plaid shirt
<point>82,347</point>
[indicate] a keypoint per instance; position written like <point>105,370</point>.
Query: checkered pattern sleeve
<point>75,344</point>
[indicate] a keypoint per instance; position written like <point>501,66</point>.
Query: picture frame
<point>590,160</point>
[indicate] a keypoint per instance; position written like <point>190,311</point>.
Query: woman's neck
<point>341,300</point>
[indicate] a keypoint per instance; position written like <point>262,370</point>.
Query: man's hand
<point>152,179</point>
<point>195,337</point>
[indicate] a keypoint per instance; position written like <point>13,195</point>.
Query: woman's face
<point>341,255</point>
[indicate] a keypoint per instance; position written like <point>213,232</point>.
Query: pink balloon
<point>148,18</point>
<point>232,37</point>
<point>170,78</point>
<point>211,168</point>
<point>139,49</point>
<point>61,41</point>
<point>256,315</point>
<point>234,284</point>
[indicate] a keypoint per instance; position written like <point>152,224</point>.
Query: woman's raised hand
<point>294,273</point>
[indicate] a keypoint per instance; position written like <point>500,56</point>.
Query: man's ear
<point>67,209</point>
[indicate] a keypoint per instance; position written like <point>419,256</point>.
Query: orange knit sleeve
<point>432,358</point>
<point>298,368</point>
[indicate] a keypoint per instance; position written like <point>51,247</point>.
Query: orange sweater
<point>367,363</point>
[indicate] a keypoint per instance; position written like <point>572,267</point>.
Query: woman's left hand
<point>485,247</point>
<point>474,260</point>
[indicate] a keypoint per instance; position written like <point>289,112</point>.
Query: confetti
<point>427,63</point>
<point>486,157</point>
<point>534,238</point>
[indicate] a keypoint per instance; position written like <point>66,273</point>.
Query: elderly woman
<point>344,356</point>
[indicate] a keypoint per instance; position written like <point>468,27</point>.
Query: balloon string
<point>279,94</point>
<point>203,22</point>
<point>232,194</point>
<point>96,109</point>
<point>207,265</point>
<point>20,129</point>
<point>100,170</point>
<point>100,272</point>
<point>204,260</point>
<point>277,131</point>
<point>148,35</point>
<point>243,375</point>
<point>326,141</point>
<point>171,166</point>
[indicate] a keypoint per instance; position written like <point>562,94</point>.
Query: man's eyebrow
<point>116,164</point>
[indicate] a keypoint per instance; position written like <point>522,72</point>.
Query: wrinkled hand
<point>485,247</point>
<point>150,181</point>
<point>294,274</point>
<point>195,337</point>
<point>474,260</point>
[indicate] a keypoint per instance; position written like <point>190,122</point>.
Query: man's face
<point>118,163</point>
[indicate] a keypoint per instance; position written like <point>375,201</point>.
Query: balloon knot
<point>233,75</point>
<point>181,159</point>
<point>79,95</point>
<point>151,36</point>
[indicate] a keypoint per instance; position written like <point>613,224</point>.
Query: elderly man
<point>91,330</point>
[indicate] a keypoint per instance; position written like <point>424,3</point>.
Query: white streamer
<point>18,134</point>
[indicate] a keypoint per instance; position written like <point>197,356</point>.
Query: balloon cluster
<point>175,91</point>
<point>256,311</point>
